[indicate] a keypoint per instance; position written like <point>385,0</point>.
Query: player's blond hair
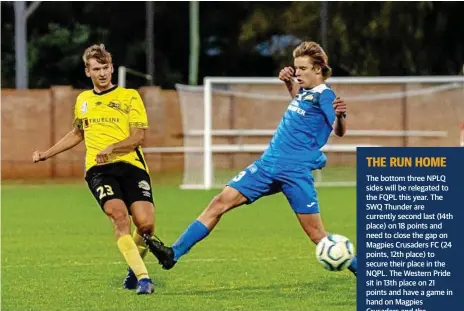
<point>317,54</point>
<point>99,53</point>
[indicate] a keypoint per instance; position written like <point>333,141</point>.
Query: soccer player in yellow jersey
<point>112,122</point>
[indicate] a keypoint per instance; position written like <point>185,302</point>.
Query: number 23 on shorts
<point>104,190</point>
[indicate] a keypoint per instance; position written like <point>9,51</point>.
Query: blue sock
<point>194,233</point>
<point>354,265</point>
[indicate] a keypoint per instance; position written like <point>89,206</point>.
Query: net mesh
<point>244,117</point>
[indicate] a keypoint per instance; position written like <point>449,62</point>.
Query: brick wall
<point>35,119</point>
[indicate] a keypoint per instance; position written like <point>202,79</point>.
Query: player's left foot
<point>164,254</point>
<point>130,282</point>
<point>145,287</point>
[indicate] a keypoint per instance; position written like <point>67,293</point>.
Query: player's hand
<point>104,155</point>
<point>339,107</point>
<point>38,156</point>
<point>286,74</point>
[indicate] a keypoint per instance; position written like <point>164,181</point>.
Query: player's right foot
<point>164,254</point>
<point>145,287</point>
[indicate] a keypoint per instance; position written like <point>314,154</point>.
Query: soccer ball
<point>335,252</point>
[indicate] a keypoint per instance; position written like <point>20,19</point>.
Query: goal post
<point>228,122</point>
<point>122,75</point>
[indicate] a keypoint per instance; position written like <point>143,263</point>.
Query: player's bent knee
<point>146,228</point>
<point>120,219</point>
<point>117,212</point>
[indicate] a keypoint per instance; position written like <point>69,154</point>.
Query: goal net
<point>228,122</point>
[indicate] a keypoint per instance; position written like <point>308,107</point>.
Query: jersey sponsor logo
<point>144,185</point>
<point>103,120</point>
<point>297,110</point>
<point>84,107</point>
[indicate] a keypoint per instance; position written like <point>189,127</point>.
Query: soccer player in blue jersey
<point>286,165</point>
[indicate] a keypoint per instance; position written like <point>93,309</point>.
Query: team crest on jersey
<point>144,185</point>
<point>84,107</point>
<point>308,97</point>
<point>114,104</point>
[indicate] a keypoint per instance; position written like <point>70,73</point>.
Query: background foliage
<point>238,38</point>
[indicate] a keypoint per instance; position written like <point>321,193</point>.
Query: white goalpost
<point>228,122</point>
<point>122,75</point>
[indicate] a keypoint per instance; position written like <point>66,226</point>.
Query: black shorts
<point>119,180</point>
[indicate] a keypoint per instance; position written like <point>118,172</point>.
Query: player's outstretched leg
<point>197,230</point>
<point>164,254</point>
<point>312,225</point>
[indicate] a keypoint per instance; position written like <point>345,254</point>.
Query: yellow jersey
<point>106,118</point>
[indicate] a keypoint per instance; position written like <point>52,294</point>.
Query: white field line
<point>121,262</point>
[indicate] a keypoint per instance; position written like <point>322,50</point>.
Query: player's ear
<point>317,68</point>
<point>87,72</point>
<point>112,68</point>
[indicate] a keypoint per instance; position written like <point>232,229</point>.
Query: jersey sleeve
<point>77,123</point>
<point>137,114</point>
<point>326,103</point>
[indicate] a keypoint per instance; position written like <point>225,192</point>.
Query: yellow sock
<point>142,247</point>
<point>130,252</point>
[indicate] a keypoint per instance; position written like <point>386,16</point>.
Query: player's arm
<point>138,122</point>
<point>69,141</point>
<point>135,139</point>
<point>340,115</point>
<point>286,75</point>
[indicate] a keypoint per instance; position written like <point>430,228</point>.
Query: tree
<point>371,38</point>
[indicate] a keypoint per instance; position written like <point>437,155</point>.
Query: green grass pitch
<point>59,253</point>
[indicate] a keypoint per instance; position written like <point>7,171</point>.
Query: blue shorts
<point>297,184</point>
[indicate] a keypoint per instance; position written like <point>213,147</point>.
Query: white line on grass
<point>121,262</point>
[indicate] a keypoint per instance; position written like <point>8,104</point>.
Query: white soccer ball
<point>335,252</point>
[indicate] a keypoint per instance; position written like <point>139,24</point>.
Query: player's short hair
<point>99,53</point>
<point>317,54</point>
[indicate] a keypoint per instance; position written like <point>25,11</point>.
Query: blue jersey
<point>304,129</point>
